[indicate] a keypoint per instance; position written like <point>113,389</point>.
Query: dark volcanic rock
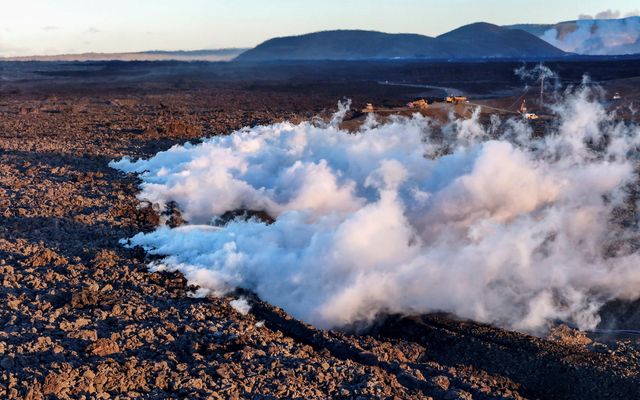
<point>103,347</point>
<point>82,317</point>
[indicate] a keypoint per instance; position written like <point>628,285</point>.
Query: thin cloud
<point>50,28</point>
<point>93,29</point>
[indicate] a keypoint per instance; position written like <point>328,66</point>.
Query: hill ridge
<point>477,40</point>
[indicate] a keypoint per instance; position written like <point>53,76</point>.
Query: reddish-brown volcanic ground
<point>81,317</point>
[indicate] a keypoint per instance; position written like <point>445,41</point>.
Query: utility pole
<point>541,89</point>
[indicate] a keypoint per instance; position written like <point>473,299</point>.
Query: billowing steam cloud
<point>610,14</point>
<point>600,36</point>
<point>534,76</point>
<point>408,217</point>
<point>540,71</point>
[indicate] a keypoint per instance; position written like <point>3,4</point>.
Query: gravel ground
<point>81,317</point>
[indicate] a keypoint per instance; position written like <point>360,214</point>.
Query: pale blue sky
<point>30,27</point>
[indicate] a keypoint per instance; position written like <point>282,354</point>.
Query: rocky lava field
<point>82,317</point>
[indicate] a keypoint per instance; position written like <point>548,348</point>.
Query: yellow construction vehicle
<point>419,104</point>
<point>456,99</point>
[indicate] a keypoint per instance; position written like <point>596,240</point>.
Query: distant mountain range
<point>153,55</point>
<point>479,40</point>
<point>475,41</point>
<point>591,36</point>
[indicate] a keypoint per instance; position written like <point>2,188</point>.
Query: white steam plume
<point>538,72</point>
<point>407,217</point>
<point>600,36</point>
<point>608,14</point>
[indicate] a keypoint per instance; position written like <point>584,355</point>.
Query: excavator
<point>523,111</point>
